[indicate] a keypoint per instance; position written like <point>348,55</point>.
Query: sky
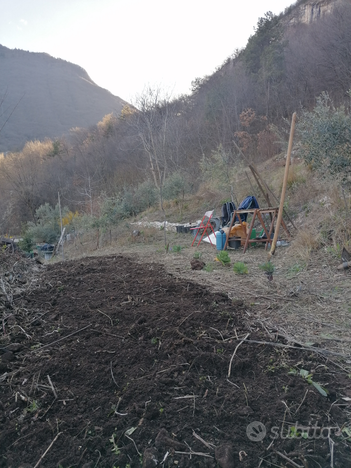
<point>126,46</point>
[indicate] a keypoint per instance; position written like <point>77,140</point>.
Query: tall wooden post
<point>285,181</point>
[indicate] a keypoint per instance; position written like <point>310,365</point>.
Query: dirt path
<point>119,363</point>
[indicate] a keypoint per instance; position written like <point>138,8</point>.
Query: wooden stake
<point>285,181</point>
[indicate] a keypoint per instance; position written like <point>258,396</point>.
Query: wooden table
<point>268,228</point>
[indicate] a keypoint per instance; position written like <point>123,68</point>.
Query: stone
<point>150,458</point>
<point>196,264</point>
<point>14,347</point>
<point>163,440</point>
<point>224,455</point>
<point>7,357</point>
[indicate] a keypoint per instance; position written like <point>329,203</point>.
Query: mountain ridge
<point>44,97</point>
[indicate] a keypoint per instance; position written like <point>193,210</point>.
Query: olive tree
<point>325,135</point>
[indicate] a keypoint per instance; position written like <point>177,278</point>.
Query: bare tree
<point>153,122</point>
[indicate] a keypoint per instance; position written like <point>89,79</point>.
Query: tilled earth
<point>108,362</point>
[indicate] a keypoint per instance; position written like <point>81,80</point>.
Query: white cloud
<point>23,21</point>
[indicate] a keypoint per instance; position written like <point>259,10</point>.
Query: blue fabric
<point>249,203</point>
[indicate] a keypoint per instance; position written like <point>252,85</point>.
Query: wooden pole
<point>59,204</point>
<point>285,181</point>
<point>256,177</point>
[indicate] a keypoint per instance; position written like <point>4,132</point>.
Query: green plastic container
<point>253,236</point>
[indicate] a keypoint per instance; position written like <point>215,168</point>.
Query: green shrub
<point>47,227</point>
<point>135,201</point>
<point>128,207</point>
<point>146,195</point>
<point>175,186</point>
<point>26,243</point>
<point>325,135</point>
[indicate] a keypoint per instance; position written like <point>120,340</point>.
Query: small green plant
<point>33,407</point>
<point>176,248</point>
<point>115,449</point>
<point>208,267</point>
<point>346,431</point>
<point>240,268</point>
<point>36,346</point>
<point>334,250</point>
<point>294,433</point>
<point>154,341</point>
<point>223,257</point>
<point>225,313</point>
<point>308,377</point>
<point>268,268</point>
<point>197,255</point>
<point>296,268</point>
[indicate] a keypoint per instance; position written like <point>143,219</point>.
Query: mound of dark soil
<point>118,364</point>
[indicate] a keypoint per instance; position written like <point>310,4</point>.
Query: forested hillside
<point>163,147</point>
<point>42,96</point>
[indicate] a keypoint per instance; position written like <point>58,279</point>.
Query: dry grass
<point>305,242</point>
<point>296,176</point>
